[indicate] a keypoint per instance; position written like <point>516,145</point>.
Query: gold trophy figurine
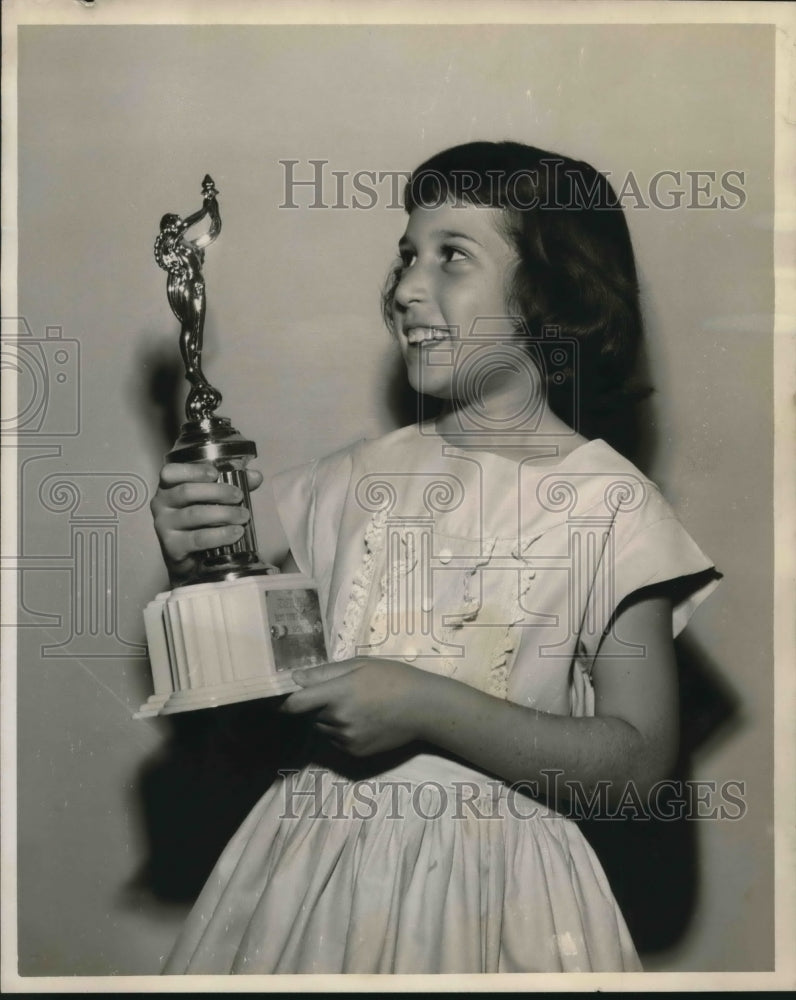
<point>204,436</point>
<point>234,630</point>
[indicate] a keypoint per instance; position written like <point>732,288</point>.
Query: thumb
<point>308,676</point>
<point>254,478</point>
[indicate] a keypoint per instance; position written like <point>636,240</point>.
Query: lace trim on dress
<point>351,626</point>
<point>401,567</point>
<point>504,653</point>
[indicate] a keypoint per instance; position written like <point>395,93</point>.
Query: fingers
<point>334,734</point>
<point>188,494</point>
<point>317,696</point>
<point>196,516</point>
<point>189,542</point>
<point>254,478</point>
<point>208,515</point>
<point>194,479</point>
<point>305,700</point>
<point>200,527</point>
<point>174,473</point>
<point>310,676</point>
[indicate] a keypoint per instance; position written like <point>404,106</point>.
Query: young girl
<point>500,597</point>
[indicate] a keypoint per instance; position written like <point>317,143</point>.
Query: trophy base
<point>233,571</point>
<point>213,697</point>
<point>220,642</point>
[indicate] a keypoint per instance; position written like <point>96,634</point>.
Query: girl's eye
<point>453,254</point>
<point>449,254</point>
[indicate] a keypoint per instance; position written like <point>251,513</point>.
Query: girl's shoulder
<point>401,443</point>
<point>596,479</point>
<point>591,479</point>
<point>598,457</point>
<point>392,446</point>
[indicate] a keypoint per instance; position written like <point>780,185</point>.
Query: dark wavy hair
<point>576,271</point>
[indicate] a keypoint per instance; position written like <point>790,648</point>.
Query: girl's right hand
<point>192,511</point>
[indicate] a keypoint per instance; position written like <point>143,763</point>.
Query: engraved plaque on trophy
<point>234,630</point>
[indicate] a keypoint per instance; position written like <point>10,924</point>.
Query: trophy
<point>237,627</point>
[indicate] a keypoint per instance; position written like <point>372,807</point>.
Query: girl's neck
<point>551,440</point>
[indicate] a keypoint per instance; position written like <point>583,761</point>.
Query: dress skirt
<point>429,867</point>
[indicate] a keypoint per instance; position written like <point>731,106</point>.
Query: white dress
<point>504,576</point>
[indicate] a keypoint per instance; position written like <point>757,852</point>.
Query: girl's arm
<point>633,735</point>
<point>368,706</point>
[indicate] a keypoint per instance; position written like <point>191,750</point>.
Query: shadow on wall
<point>158,391</point>
<point>651,864</point>
<point>215,764</point>
<point>213,767</point>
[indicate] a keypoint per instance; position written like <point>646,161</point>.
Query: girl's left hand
<point>365,705</point>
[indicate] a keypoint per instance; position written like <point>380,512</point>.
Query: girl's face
<point>456,270</point>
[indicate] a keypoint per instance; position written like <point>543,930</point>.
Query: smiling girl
<point>501,589</point>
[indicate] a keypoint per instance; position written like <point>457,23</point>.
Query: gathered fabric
<point>404,874</point>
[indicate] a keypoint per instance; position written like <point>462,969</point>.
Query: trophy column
<point>236,629</point>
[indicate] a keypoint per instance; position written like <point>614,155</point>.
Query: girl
<point>501,589</point>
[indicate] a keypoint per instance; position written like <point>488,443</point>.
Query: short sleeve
<point>310,500</point>
<point>647,547</point>
<point>294,491</point>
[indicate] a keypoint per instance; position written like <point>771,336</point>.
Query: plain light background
<point>119,125</point>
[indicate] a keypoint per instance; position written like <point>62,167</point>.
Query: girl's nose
<point>412,286</point>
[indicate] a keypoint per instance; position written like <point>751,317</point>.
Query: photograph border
<point>382,12</point>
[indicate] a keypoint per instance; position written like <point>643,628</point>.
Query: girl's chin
<point>429,380</point>
<point>434,387</point>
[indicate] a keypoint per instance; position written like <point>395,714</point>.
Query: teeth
<point>424,334</point>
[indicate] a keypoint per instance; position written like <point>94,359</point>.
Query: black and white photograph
<point>397,442</point>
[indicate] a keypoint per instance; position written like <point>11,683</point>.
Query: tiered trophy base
<point>217,643</point>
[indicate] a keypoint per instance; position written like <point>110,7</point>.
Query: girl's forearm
<point>523,744</point>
